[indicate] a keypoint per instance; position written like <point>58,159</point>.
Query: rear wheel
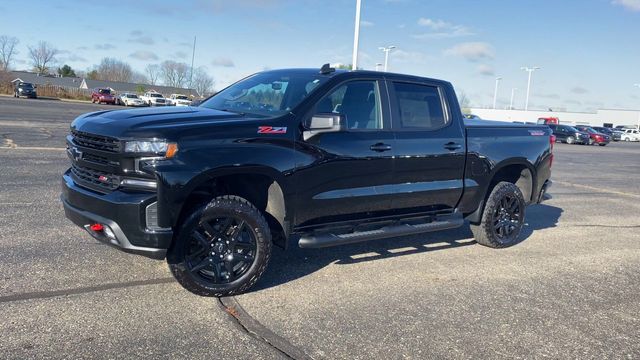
<point>222,248</point>
<point>571,140</point>
<point>503,217</point>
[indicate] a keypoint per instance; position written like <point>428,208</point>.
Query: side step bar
<point>398,229</point>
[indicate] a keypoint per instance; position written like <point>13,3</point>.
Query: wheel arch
<point>517,171</point>
<point>262,186</point>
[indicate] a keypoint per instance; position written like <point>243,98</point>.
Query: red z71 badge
<point>272,130</point>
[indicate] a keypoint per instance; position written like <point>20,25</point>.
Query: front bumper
<point>122,212</point>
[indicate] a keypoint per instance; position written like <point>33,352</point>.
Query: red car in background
<point>548,120</point>
<point>103,96</point>
<point>594,136</point>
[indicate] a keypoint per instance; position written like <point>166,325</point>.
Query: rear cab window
<point>419,106</point>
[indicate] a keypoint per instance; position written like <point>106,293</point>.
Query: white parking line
<point>34,148</point>
<point>596,189</point>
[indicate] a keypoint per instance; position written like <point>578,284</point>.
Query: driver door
<point>341,175</point>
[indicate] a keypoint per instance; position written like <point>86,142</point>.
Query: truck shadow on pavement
<point>296,263</point>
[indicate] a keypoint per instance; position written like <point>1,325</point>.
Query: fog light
<point>96,227</point>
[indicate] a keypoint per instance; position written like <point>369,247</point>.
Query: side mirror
<point>323,123</point>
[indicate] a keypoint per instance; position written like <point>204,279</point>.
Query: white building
<point>603,117</point>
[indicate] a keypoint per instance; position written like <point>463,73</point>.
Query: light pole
<point>638,126</point>
<point>378,66</point>
<point>356,37</point>
<point>495,92</point>
<point>386,50</point>
<point>530,70</point>
<point>513,92</point>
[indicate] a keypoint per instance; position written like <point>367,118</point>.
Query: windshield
<point>155,95</point>
<point>182,97</point>
<point>268,94</point>
<point>572,129</point>
<point>26,85</point>
<point>132,96</point>
<point>104,91</point>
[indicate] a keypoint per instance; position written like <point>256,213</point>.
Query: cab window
<point>419,106</point>
<point>358,101</point>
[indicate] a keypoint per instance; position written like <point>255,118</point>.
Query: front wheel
<point>571,140</point>
<point>222,248</point>
<point>503,217</point>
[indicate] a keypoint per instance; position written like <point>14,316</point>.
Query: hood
<point>154,122</point>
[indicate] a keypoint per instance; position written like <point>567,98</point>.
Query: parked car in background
<point>103,96</point>
<point>471,117</point>
<point>615,134</point>
<point>548,120</point>
<point>630,135</point>
<point>129,99</point>
<point>25,89</point>
<point>153,98</point>
<point>569,134</point>
<point>178,100</point>
<point>595,137</point>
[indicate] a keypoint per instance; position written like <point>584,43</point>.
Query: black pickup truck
<point>299,157</point>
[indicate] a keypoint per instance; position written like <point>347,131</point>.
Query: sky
<point>588,50</point>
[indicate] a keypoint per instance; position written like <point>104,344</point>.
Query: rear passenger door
<point>430,147</point>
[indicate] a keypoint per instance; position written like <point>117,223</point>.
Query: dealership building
<point>602,117</point>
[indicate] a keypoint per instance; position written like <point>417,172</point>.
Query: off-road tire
<point>485,233</point>
<point>227,205</point>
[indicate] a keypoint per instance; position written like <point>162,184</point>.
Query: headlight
<point>154,146</point>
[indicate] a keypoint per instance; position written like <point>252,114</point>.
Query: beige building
<point>599,118</point>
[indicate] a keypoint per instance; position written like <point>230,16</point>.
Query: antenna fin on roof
<point>326,69</point>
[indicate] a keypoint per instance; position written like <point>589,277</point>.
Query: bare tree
<point>7,50</point>
<point>202,82</point>
<point>139,78</point>
<point>153,73</point>
<point>42,56</point>
<point>111,69</point>
<point>174,73</point>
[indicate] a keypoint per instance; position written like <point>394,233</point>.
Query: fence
<point>63,92</point>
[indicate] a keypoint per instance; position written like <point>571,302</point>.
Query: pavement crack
<point>260,332</point>
<point>81,290</point>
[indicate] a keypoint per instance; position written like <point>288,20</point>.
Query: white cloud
<point>487,70</point>
<point>144,55</point>
<point>579,90</point>
<point>441,29</point>
<point>633,5</point>
<point>366,23</point>
<point>224,62</point>
<point>402,56</point>
<point>472,51</point>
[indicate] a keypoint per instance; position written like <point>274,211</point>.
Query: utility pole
<point>193,56</point>
<point>356,37</point>
<point>386,50</point>
<point>513,91</point>
<point>495,92</point>
<point>378,66</point>
<point>530,70</point>
<point>638,126</point>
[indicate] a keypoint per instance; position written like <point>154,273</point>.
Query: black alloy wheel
<point>221,250</point>
<point>502,218</point>
<point>507,217</point>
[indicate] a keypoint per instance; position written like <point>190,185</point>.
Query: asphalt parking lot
<point>569,290</point>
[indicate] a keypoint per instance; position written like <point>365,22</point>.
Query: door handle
<point>452,146</point>
<point>380,147</point>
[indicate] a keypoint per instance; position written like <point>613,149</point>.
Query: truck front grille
<point>93,179</point>
<point>98,142</point>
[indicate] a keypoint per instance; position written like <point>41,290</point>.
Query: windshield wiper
<point>232,111</point>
